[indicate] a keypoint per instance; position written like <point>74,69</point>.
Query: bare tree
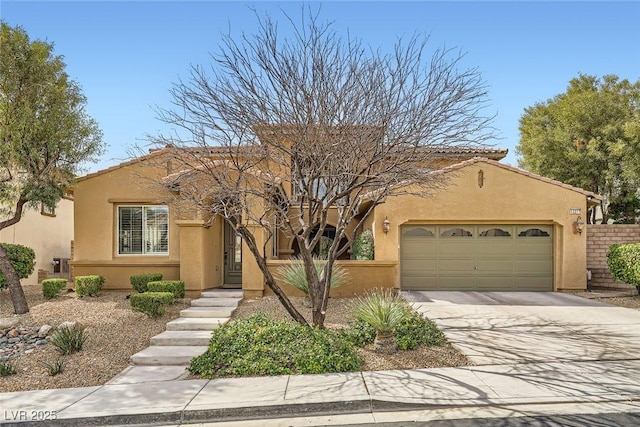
<point>296,133</point>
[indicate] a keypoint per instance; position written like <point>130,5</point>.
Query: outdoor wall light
<point>386,224</point>
<point>578,226</point>
<point>480,178</point>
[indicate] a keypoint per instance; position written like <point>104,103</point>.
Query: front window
<point>143,230</point>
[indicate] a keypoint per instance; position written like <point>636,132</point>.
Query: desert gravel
<point>114,333</point>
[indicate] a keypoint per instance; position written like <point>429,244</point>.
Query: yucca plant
<point>383,309</point>
<point>293,274</point>
<point>68,338</point>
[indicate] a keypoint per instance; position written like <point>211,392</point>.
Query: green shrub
<point>176,287</point>
<point>151,303</point>
<point>88,285</point>
<point>7,368</point>
<point>362,248</point>
<point>293,274</point>
<point>55,368</point>
<point>257,346</point>
<point>359,333</point>
<point>140,281</point>
<point>623,261</point>
<point>415,330</point>
<point>51,287</point>
<point>68,338</point>
<point>23,260</point>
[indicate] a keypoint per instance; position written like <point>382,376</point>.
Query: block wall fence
<point>599,238</point>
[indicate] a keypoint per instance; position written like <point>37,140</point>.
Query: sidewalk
<point>479,387</point>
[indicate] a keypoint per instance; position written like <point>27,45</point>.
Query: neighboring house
<point>495,227</point>
<point>49,233</point>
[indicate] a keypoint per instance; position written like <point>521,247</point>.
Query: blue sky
<point>126,54</point>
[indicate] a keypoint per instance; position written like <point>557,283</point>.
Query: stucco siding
<point>49,236</point>
<point>505,197</point>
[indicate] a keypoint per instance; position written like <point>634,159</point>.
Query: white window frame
<point>144,228</point>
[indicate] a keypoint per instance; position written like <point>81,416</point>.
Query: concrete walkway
<point>185,338</point>
<point>463,391</point>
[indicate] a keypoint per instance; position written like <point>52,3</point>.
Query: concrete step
<point>210,312</point>
<point>167,355</point>
<point>150,374</point>
<point>195,324</point>
<point>215,302</point>
<point>222,293</point>
<point>186,338</point>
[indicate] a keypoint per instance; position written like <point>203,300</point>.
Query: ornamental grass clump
<point>7,367</point>
<point>69,338</point>
<point>293,274</point>
<point>383,310</point>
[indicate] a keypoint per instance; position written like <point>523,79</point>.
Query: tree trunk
<point>20,305</point>
<point>269,280</point>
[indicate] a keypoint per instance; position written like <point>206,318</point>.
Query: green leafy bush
<point>151,303</point>
<point>7,367</point>
<point>415,330</point>
<point>140,281</point>
<point>623,261</point>
<point>68,338</point>
<point>293,274</point>
<point>88,285</point>
<point>52,287</point>
<point>257,345</point>
<point>176,287</point>
<point>362,248</point>
<point>23,260</point>
<point>359,333</point>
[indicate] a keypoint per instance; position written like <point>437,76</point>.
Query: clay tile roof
<point>475,160</point>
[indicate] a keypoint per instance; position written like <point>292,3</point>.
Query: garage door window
<point>456,232</point>
<point>495,232</point>
<point>418,232</point>
<point>533,232</point>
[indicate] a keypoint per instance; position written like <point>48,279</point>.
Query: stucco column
<point>191,255</point>
<point>252,277</point>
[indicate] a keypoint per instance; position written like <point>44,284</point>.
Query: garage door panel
<point>534,283</point>
<point>487,266</point>
<point>448,266</point>
<point>457,283</point>
<point>487,283</point>
<point>541,249</point>
<point>413,248</point>
<point>494,249</point>
<point>421,265</point>
<point>459,249</point>
<point>535,266</point>
<point>419,282</point>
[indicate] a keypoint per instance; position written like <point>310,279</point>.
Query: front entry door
<point>232,256</point>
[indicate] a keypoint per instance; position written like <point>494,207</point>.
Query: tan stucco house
<point>49,233</point>
<point>494,227</point>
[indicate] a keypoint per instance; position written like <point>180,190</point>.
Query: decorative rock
<point>8,322</point>
<point>44,330</point>
<point>13,333</point>
<point>41,342</point>
<point>14,340</point>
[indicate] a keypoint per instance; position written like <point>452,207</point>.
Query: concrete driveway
<point>522,327</point>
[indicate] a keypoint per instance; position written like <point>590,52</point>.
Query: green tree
<point>45,134</point>
<point>588,137</point>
